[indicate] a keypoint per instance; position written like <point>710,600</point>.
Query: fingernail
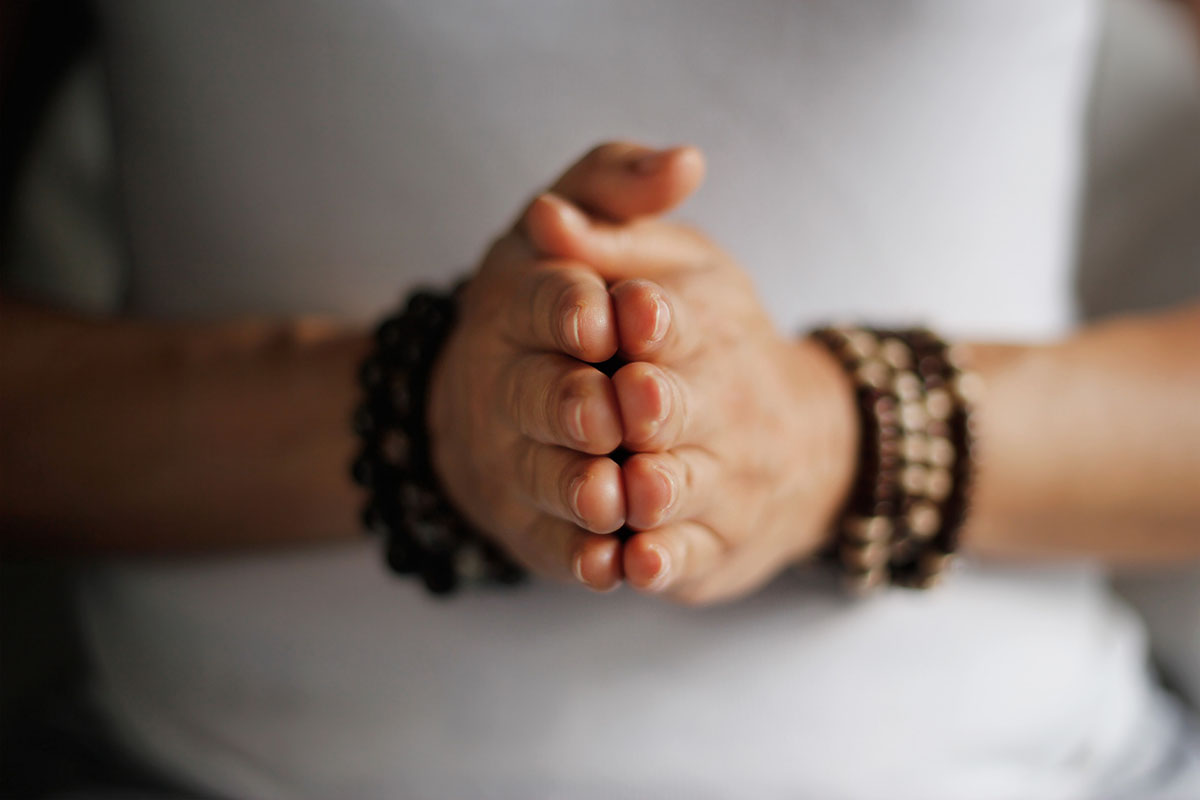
<point>570,216</point>
<point>664,407</point>
<point>659,576</point>
<point>668,481</point>
<point>574,419</point>
<point>577,568</point>
<point>650,163</point>
<point>574,491</point>
<point>662,320</point>
<point>651,425</point>
<point>574,328</point>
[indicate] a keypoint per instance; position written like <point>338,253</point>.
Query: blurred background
<point>60,240</point>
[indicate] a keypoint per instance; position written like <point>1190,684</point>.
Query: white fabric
<point>871,159</point>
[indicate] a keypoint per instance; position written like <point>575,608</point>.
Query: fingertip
<point>691,166</point>
<point>673,174</point>
<point>644,400</point>
<point>553,226</point>
<point>651,491</point>
<point>647,563</point>
<point>598,564</point>
<point>599,497</point>
<point>591,327</point>
<point>595,419</point>
<point>643,316</point>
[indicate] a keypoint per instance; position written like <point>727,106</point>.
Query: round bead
<point>864,556</point>
<point>939,404</point>
<point>923,519</point>
<point>938,484</point>
<point>873,372</point>
<point>470,562</point>
<point>914,478</point>
<point>868,529</point>
<point>421,303</point>
<point>395,446</point>
<point>968,387</point>
<point>913,416</point>
<point>941,452</point>
<point>370,374</point>
<point>860,344</point>
<point>401,397</point>
<point>390,333</point>
<point>907,386</point>
<point>915,447</point>
<point>895,353</point>
<point>957,356</point>
<point>416,500</point>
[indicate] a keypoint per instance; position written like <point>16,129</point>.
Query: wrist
<point>829,425</point>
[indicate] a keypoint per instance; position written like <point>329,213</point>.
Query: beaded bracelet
<point>423,534</point>
<point>901,522</point>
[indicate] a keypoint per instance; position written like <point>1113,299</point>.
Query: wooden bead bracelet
<point>901,522</point>
<point>423,534</point>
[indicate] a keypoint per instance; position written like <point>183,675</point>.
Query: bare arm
<point>139,436</point>
<point>1092,446</point>
<point>1089,447</point>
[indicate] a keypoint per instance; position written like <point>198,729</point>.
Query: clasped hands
<point>742,439</point>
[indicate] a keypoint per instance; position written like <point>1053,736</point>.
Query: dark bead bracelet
<point>423,533</point>
<point>901,521</point>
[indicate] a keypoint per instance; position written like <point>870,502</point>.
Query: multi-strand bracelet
<point>423,534</point>
<point>902,519</point>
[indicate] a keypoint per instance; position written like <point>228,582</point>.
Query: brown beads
<point>901,521</point>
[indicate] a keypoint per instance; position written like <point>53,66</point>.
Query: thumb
<point>619,182</point>
<point>647,248</point>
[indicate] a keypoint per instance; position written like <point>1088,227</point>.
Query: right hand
<point>520,421</point>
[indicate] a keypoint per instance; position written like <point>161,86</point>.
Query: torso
<point>890,161</point>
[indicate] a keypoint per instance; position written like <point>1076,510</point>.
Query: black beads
<point>423,534</point>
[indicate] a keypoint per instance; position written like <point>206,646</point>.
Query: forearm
<point>149,437</point>
<point>1091,447</point>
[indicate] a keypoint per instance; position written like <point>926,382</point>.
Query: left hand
<point>744,439</point>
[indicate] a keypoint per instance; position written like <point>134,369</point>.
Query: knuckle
<point>526,467</point>
<point>513,388</point>
<point>552,398</point>
<point>686,472</point>
<point>682,406</point>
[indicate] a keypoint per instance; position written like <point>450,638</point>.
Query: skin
<point>521,422</point>
<point>1091,443</point>
<point>125,436</point>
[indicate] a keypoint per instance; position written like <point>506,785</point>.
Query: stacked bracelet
<point>909,498</point>
<point>423,534</point>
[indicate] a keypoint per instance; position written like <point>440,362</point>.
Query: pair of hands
<point>742,440</point>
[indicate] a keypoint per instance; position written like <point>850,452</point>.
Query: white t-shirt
<point>890,161</point>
